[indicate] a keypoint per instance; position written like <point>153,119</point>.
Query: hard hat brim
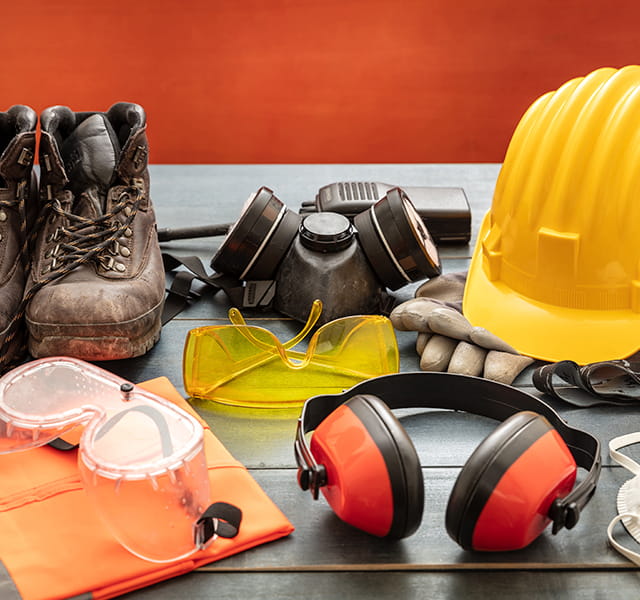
<point>545,331</point>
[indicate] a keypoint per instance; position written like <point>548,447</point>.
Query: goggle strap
<point>154,414</point>
<point>220,519</point>
<point>60,444</point>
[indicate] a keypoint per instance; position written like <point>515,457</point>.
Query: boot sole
<point>114,343</point>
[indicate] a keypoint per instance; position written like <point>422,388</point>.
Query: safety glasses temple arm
<point>316,309</point>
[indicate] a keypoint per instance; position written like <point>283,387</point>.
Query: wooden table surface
<point>323,557</point>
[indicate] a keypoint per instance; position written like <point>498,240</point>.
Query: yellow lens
<point>248,366</point>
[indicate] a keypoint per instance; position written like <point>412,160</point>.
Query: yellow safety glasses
<point>244,365</point>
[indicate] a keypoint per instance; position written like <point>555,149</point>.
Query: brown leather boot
<point>18,208</point>
<point>96,285</point>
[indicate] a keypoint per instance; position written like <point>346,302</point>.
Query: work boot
<point>96,285</point>
<point>18,209</point>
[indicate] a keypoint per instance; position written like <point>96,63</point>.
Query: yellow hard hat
<point>556,268</point>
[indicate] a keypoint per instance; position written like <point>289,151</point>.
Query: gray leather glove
<point>447,341</point>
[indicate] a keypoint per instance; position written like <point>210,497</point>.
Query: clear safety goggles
<point>141,458</point>
<point>244,365</point>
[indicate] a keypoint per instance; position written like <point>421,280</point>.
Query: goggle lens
<point>141,458</point>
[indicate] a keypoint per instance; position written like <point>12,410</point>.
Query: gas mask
<point>628,501</point>
<point>286,261</point>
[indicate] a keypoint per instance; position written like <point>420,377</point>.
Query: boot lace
<point>84,240</point>
<point>81,240</point>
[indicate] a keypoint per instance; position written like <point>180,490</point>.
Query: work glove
<point>447,341</point>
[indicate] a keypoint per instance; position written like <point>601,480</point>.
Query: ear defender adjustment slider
<point>312,478</point>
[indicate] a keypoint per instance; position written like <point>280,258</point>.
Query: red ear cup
<point>374,479</point>
<point>502,496</point>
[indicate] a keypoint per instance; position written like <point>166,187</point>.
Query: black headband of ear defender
<point>463,393</point>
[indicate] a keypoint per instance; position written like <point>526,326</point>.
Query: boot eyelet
<point>124,251</point>
<point>107,265</point>
<point>120,268</point>
<point>128,232</point>
<point>3,216</point>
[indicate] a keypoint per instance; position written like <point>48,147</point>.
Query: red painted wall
<point>303,81</point>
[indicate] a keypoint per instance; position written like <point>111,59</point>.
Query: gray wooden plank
<point>321,540</point>
<point>525,585</point>
<point>184,195</point>
<point>441,438</point>
<point>332,559</point>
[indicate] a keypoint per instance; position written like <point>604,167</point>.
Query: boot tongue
<point>90,154</point>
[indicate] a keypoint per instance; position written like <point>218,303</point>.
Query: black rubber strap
<point>464,393</point>
<point>607,382</point>
<point>60,444</point>
<point>221,519</point>
<point>181,293</point>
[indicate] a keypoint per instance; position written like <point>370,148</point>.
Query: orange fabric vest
<point>53,544</point>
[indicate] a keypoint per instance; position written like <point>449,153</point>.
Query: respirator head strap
<point>251,294</point>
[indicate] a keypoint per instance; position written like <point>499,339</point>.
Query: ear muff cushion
<point>525,441</point>
<point>401,459</point>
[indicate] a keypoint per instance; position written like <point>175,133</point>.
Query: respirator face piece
<point>518,480</point>
<point>392,236</point>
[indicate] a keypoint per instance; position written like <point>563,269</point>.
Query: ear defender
<point>521,478</point>
<point>502,497</point>
<point>373,476</point>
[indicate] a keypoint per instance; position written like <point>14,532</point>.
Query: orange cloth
<point>54,545</point>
